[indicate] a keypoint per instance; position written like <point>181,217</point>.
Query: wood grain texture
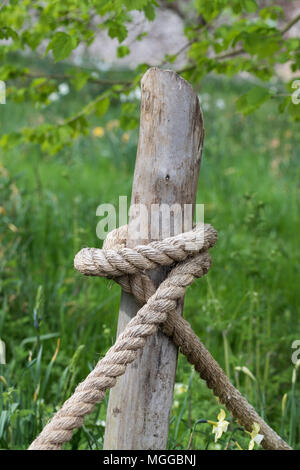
<point>166,172</point>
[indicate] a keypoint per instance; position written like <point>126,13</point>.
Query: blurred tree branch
<point>221,37</point>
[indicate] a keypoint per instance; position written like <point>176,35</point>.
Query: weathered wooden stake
<point>166,172</point>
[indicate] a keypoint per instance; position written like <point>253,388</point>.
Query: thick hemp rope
<point>188,253</point>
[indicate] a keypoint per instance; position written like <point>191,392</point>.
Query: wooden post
<point>166,172</point>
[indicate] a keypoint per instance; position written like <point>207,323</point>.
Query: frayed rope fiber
<point>188,258</point>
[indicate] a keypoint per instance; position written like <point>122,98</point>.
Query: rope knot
<point>187,252</point>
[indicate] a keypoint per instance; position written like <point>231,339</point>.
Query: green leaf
<point>149,12</point>
<point>294,110</point>
<point>117,30</point>
<point>135,4</point>
<point>198,50</point>
<point>210,9</point>
<point>7,33</point>
<point>101,107</point>
<point>283,104</point>
<point>250,6</point>
<point>272,12</point>
<point>11,140</point>
<point>141,36</point>
<point>257,96</point>
<point>258,43</point>
<point>292,44</point>
<point>130,116</point>
<point>79,79</point>
<point>252,100</point>
<point>122,51</point>
<point>61,45</point>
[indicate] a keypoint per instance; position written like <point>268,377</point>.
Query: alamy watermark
<point>296,353</point>
<point>2,92</point>
<point>154,222</point>
<point>296,93</point>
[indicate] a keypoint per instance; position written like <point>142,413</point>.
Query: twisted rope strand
<point>110,262</point>
<point>123,352</point>
<point>209,370</point>
<point>128,267</point>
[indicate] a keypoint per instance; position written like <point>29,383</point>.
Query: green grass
<point>246,310</point>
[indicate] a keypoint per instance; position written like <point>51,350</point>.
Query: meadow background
<point>56,324</point>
